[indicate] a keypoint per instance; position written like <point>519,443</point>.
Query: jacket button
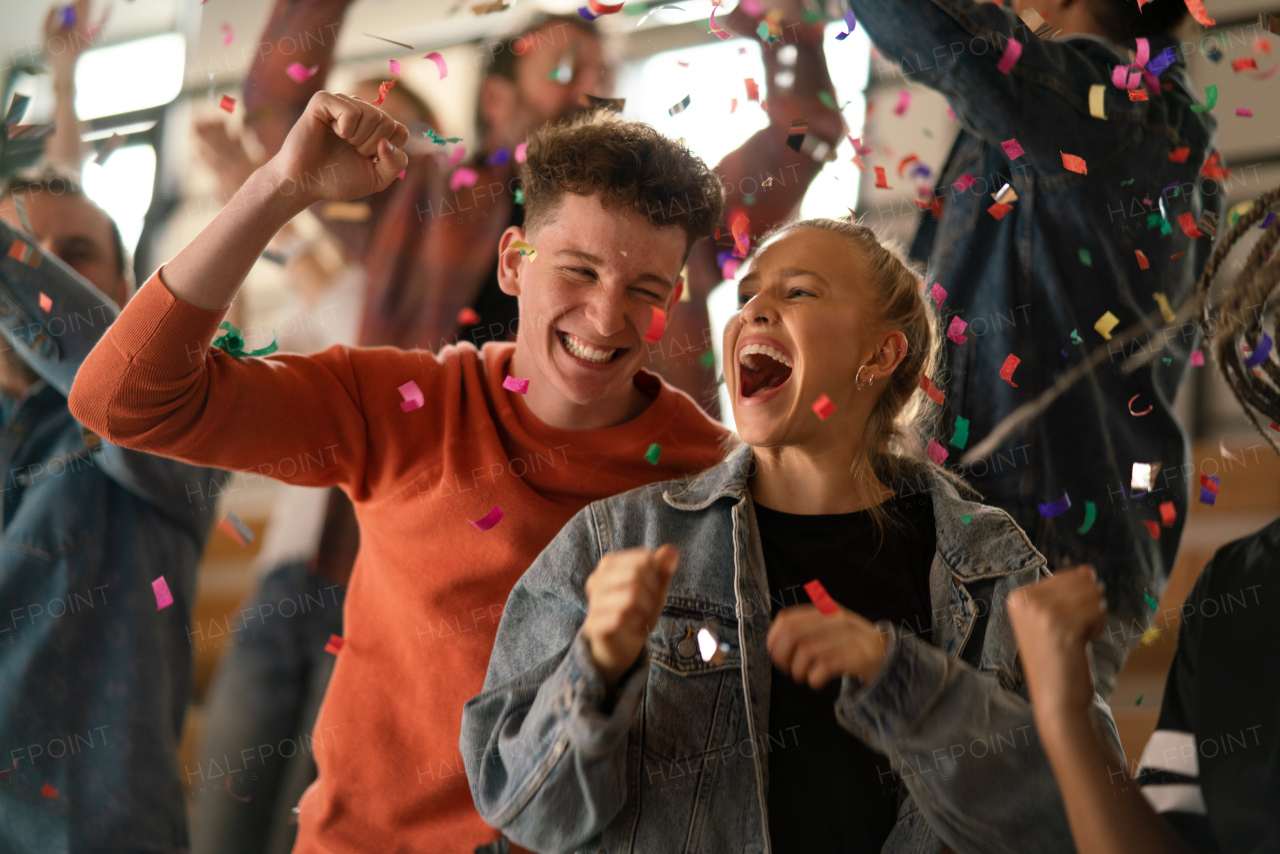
<point>687,647</point>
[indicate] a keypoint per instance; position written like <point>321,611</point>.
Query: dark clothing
<point>827,791</point>
<point>1212,767</point>
<point>1057,262</point>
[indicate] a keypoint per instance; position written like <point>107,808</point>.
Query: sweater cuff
<point>885,709</point>
<point>164,326</point>
<point>594,732</point>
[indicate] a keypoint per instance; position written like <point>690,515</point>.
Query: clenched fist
<point>625,596</point>
<point>342,148</point>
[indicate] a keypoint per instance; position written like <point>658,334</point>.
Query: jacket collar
<point>991,544</point>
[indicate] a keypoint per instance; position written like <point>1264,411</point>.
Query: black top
<point>827,790</point>
<point>1212,767</point>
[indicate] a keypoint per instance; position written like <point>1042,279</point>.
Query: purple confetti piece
<point>490,519</point>
<point>1266,222</point>
<point>1207,496</point>
<point>849,24</point>
<point>1056,508</point>
<point>1260,355</point>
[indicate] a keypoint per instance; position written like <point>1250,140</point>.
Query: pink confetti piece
<point>1010,365</point>
<point>1126,77</point>
<point>1244,111</point>
<point>657,323</point>
<point>1012,149</point>
<point>299,73</point>
<point>401,175</point>
<point>1012,53</point>
<point>395,66</point>
<point>228,35</point>
<point>821,598</point>
<point>964,182</point>
<point>904,101</point>
<point>440,63</point>
<point>46,304</point>
<point>458,153</point>
<point>955,331</point>
<point>490,519</point>
<point>939,294</point>
<point>522,152</point>
<point>936,451</point>
<point>412,395</point>
<point>515,384</point>
<point>462,177</point>
<point>164,598</point>
<point>1197,358</point>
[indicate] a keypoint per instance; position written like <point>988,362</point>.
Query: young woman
<point>633,706</point>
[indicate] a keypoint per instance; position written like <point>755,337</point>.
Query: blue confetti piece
<point>1055,508</point>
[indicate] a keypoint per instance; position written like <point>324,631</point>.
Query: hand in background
<point>1054,621</point>
<point>815,648</point>
<point>224,154</point>
<point>63,45</point>
<point>625,596</point>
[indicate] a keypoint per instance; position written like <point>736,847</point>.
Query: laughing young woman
<point>633,707</point>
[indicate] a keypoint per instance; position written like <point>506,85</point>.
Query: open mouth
<point>581,349</point>
<point>763,368</point>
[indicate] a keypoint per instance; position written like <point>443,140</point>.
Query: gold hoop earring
<point>857,380</point>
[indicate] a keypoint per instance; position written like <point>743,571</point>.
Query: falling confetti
<point>490,519</point>
<point>412,395</point>
<point>823,407</point>
<point>821,598</point>
<point>516,385</point>
<point>1056,507</point>
<point>164,598</point>
<point>654,452</point>
<point>1090,516</point>
<point>1010,365</point>
<point>335,644</point>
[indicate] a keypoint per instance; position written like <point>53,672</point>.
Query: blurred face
<point>76,231</point>
<point>806,326</point>
<point>588,297</point>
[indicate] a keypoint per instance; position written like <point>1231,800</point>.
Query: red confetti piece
<point>936,451</point>
<point>1146,411</point>
<point>1168,515</point>
<point>1010,365</point>
<point>412,395</point>
<point>1012,148</point>
<point>823,407</point>
<point>1188,223</point>
<point>18,250</point>
<point>468,317</point>
<point>48,791</point>
<point>821,598</point>
<point>1213,168</point>
<point>1137,94</point>
<point>964,182</point>
<point>1074,163</point>
<point>881,181</point>
<point>236,529</point>
<point>753,90</point>
<point>227,103</point>
<point>935,394</point>
<point>1179,154</point>
<point>1153,528</point>
<point>999,209</point>
<point>383,88</point>
<point>601,9</point>
<point>1143,263</point>
<point>1211,483</point>
<point>656,324</point>
<point>335,644</point>
<point>516,385</point>
<point>1176,257</point>
<point>1198,12</point>
<point>1244,63</point>
<point>46,304</point>
<point>490,519</point>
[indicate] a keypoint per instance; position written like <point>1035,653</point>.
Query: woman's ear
<point>509,266</point>
<point>893,349</point>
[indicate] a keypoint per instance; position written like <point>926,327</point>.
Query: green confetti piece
<point>638,8</point>
<point>966,518</point>
<point>1086,258</point>
<point>1168,361</point>
<point>1153,219</point>
<point>439,140</point>
<point>1165,228</point>
<point>231,341</point>
<point>827,100</point>
<point>960,437</point>
<point>763,30</point>
<point>1075,337</point>
<point>1090,516</point>
<point>1138,702</point>
<point>1151,603</point>
<point>708,359</point>
<point>655,451</point>
<point>812,16</point>
<point>519,196</point>
<point>1127,183</point>
<point>1210,100</point>
<point>748,199</point>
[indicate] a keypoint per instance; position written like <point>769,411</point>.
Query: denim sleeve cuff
<point>593,731</point>
<point>907,684</point>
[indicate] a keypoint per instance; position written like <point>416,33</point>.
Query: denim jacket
<point>94,677</point>
<point>1057,262</point>
<point>679,762</point>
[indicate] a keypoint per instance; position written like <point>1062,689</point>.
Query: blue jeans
<point>255,759</point>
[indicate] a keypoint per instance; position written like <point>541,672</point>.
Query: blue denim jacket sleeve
<point>964,745</point>
<point>545,760</point>
<point>954,46</point>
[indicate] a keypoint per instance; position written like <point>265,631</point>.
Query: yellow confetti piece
<point>345,211</point>
<point>1097,101</point>
<point>525,249</point>
<point>1165,311</point>
<point>1105,324</point>
<point>1151,635</point>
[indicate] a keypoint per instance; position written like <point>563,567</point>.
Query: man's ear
<point>509,266</point>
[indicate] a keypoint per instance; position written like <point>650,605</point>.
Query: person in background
<point>426,247</point>
<point>272,677</point>
<point>1209,778</point>
<point>1057,260</point>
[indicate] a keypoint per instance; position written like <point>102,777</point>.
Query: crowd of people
<point>563,607</point>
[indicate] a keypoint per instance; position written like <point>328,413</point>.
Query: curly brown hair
<point>628,165</point>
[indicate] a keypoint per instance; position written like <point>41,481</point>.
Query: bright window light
<point>122,188</point>
<point>835,190</point>
<point>130,76</point>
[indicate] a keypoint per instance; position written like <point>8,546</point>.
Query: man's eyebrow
<point>790,272</point>
<point>77,241</point>
<point>592,259</point>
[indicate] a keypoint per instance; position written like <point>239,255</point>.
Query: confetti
<point>1012,148</point>
<point>821,598</point>
<point>235,528</point>
<point>515,384</point>
<point>463,176</point>
<point>490,519</point>
<point>657,323</point>
<point>1105,324</point>
<point>709,649</point>
<point>1153,528</point>
<point>904,101</point>
<point>394,65</point>
<point>1209,487</point>
<point>228,35</point>
<point>1165,310</point>
<point>1086,257</point>
<point>738,226</point>
<point>881,181</point>
<point>46,304</point>
<point>715,28</point>
<point>753,90</point>
<point>1260,355</point>
<point>383,88</point>
<point>681,106</point>
<point>939,294</point>
<point>346,211</point>
<point>435,57</point>
<point>1210,100</point>
<point>1138,702</point>
<point>1245,112</point>
<point>1168,515</point>
<point>936,451</point>
<point>1143,477</point>
<point>412,395</point>
<point>1137,94</point>
<point>1074,163</point>
<point>1006,370</point>
<point>164,598</point>
<point>708,359</point>
<point>521,152</point>
<point>1097,101</point>
<point>849,24</point>
<point>964,182</point>
<point>1244,63</point>
<point>227,103</point>
<point>823,407</point>
<point>586,13</point>
<point>1197,359</point>
<point>231,341</point>
<point>602,9</point>
<point>1075,337</point>
<point>999,210</point>
<point>1188,222</point>
<point>967,518</point>
<point>955,332</point>
<point>1090,516</point>
<point>1012,53</point>
<point>1143,263</point>
<point>934,393</point>
<point>335,644</point>
<point>468,317</point>
<point>1146,411</point>
<point>1151,635</point>
<point>48,791</point>
<point>1056,507</point>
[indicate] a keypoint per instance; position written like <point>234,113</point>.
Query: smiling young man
<point>458,480</point>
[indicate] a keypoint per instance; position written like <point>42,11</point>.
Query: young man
<point>462,465</point>
<point>95,665</point>
<point>1101,234</point>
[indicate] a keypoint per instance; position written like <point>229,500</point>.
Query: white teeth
<point>583,351</point>
<point>764,350</point>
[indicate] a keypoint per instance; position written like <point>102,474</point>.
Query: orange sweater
<point>428,586</point>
